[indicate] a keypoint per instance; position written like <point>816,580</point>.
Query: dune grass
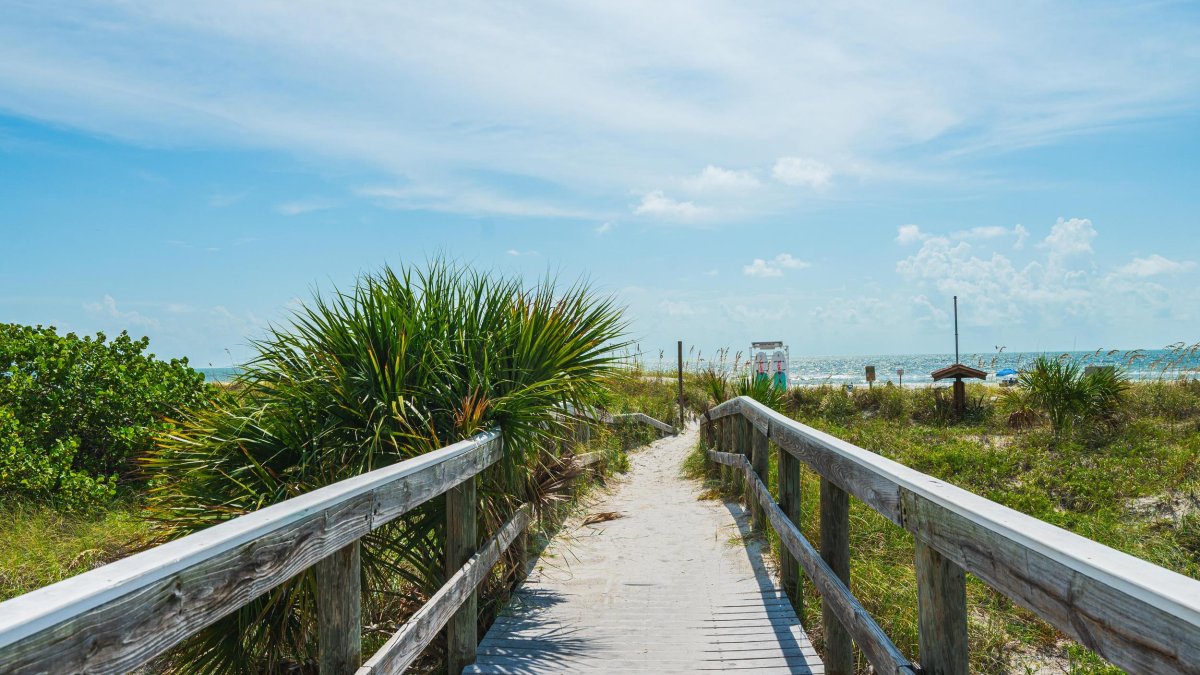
<point>1129,481</point>
<point>40,545</point>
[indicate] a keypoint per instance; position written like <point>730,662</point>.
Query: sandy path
<point>669,587</point>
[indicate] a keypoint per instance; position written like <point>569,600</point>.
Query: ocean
<point>1149,364</point>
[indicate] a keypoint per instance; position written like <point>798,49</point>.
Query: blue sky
<point>826,175</point>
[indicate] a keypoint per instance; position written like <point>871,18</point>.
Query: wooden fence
<point>119,616</point>
<point>1139,616</point>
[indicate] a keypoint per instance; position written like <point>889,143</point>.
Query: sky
<point>828,174</point>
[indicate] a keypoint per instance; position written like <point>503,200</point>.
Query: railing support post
<point>835,550</point>
<point>742,434</point>
<point>727,436</point>
<point>942,613</point>
<point>462,631</point>
<point>789,502</point>
<point>339,611</point>
<point>760,461</point>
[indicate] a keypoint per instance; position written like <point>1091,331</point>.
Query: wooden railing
<point>1139,616</point>
<point>119,616</point>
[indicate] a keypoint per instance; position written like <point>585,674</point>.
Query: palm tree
<point>405,363</point>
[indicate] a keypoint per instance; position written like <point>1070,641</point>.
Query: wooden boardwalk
<point>668,588</point>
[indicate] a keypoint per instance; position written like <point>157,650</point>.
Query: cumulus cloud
<point>716,179</point>
<point>603,229</point>
<point>773,267</point>
<point>1155,265</point>
<point>107,308</point>
<point>656,203</point>
<point>802,172</point>
<point>1069,238</point>
<point>910,234</point>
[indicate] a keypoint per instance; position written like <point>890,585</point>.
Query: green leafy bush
<point>74,411</point>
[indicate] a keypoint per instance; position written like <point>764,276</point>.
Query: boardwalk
<point>669,587</point>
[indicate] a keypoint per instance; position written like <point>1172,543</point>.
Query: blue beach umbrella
<point>1006,372</point>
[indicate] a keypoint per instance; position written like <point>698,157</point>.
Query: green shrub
<point>74,411</point>
<point>1066,393</point>
<point>47,474</point>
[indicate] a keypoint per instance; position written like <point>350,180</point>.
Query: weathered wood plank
<point>760,462</point>
<point>339,611</point>
<point>407,644</point>
<point>789,503</point>
<point>462,631</point>
<point>114,618</point>
<point>942,613</point>
<point>1132,613</point>
<point>879,650</point>
<point>1139,616</point>
<point>835,551</point>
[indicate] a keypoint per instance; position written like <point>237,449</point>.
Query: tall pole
<point>956,329</point>
<point>679,349</point>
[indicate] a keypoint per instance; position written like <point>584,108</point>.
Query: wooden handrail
<point>1137,615</point>
<point>117,617</point>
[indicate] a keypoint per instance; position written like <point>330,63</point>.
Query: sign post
<point>900,374</point>
<point>870,376</point>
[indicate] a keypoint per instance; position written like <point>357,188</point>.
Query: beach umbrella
<point>1006,372</point>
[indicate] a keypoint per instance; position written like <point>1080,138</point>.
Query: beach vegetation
<point>75,412</point>
<point>405,362</point>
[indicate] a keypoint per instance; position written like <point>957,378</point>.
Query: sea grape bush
<point>74,411</point>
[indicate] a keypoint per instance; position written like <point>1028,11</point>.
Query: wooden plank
<point>406,644</point>
<point>874,643</point>
<point>1139,616</point>
<point>760,463</point>
<point>339,611</point>
<point>942,613</point>
<point>789,503</point>
<point>116,617</point>
<point>835,551</point>
<point>462,631</point>
<point>1132,613</point>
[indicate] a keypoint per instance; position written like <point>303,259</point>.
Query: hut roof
<point>958,370</point>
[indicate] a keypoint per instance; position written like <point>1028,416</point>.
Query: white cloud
<point>1069,238</point>
<point>711,273</point>
<point>638,93</point>
<point>107,308</point>
<point>520,254</point>
<point>468,200</point>
<point>802,171</point>
<point>774,267</point>
<point>1061,284</point>
<point>658,204</point>
<point>909,234</point>
<point>986,232</point>
<point>604,229</point>
<point>1154,265</point>
<point>1022,235</point>
<point>302,206</point>
<point>716,179</point>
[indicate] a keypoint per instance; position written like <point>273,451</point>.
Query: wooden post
<point>942,613</point>
<point>760,459</point>
<point>835,550</point>
<point>960,397</point>
<point>462,631</point>
<point>742,446</point>
<point>339,611</point>
<point>727,445</point>
<point>679,345</point>
<point>789,502</point>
